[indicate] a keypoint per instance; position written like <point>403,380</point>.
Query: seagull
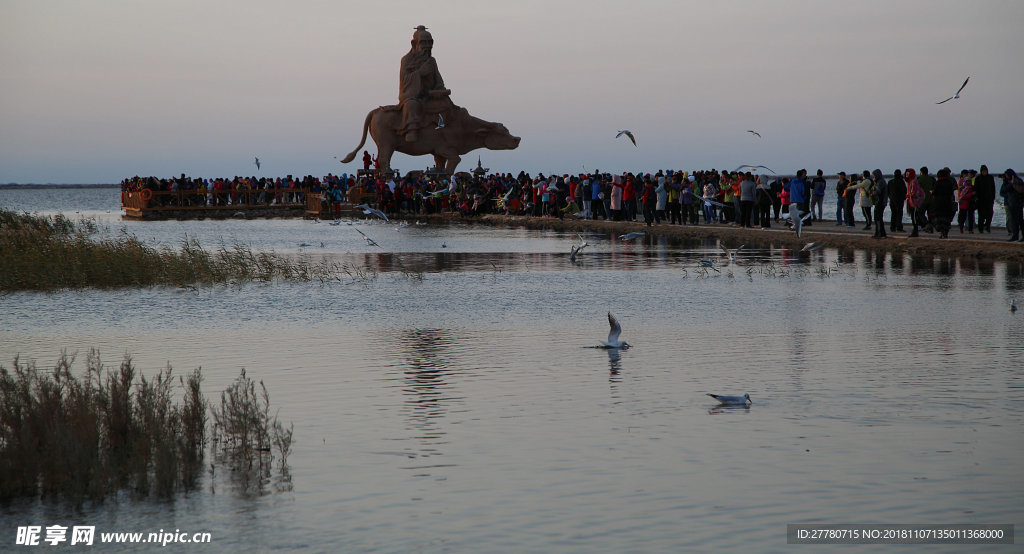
<point>577,248</point>
<point>369,241</point>
<point>812,246</point>
<point>613,334</point>
<point>1013,305</point>
<point>629,134</point>
<point>440,122</point>
<point>731,254</point>
<point>257,164</point>
<point>957,95</point>
<point>732,400</point>
<point>368,211</point>
<point>633,235</point>
<point>752,167</point>
<point>335,222</point>
<point>754,133</point>
<point>707,201</point>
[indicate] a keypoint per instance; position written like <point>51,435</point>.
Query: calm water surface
<point>445,400</point>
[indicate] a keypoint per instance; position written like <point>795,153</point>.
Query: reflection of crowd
<point>929,203</point>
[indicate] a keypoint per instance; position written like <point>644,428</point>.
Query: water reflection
<point>614,364</point>
<point>427,363</point>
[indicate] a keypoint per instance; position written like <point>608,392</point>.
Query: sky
<point>93,92</point>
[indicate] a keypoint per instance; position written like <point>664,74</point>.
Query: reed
<point>246,436</point>
<point>55,253</point>
<point>84,438</point>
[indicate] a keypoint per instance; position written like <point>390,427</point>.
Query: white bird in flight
<point>754,133</point>
<point>629,134</point>
<point>368,211</point>
<point>613,334</point>
<point>577,248</point>
<point>957,95</point>
<point>812,246</point>
<point>440,122</point>
<point>257,162</point>
<point>752,167</point>
<point>731,254</point>
<point>732,400</point>
<point>369,241</point>
<point>633,235</point>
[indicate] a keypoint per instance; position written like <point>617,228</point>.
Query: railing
<point>148,199</point>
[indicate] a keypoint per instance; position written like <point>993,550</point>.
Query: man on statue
<point>419,82</point>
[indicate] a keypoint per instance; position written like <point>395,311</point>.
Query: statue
<point>419,81</point>
<point>426,121</point>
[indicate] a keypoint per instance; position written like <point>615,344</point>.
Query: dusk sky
<point>94,92</point>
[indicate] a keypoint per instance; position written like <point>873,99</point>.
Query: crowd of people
<point>916,198</point>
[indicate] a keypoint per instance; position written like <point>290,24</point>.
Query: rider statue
<point>419,82</point>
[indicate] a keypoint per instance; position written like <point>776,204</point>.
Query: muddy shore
<point>986,246</point>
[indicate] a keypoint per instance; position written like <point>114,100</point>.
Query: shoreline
<point>989,246</point>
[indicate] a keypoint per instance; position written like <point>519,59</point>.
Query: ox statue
<point>460,134</point>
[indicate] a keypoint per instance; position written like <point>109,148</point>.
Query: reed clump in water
<point>65,437</point>
<point>55,253</point>
<point>84,438</point>
<point>246,436</point>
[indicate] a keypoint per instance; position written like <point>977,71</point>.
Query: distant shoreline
<point>53,186</point>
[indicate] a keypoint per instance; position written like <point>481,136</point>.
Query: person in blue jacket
<point>797,188</point>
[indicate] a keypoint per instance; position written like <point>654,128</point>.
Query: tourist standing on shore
<point>616,203</point>
<point>776,189</point>
<point>649,199</point>
<point>841,197</point>
<point>675,190</point>
<point>985,198</point>
<point>1012,191</point>
<point>661,202</point>
<point>849,201</point>
<point>863,185</point>
<point>797,196</point>
<point>927,183</point>
<point>709,208</point>
<point>748,191</point>
<point>965,200</point>
<point>597,199</point>
<point>943,202</point>
<point>818,184</point>
<point>915,199</point>
<point>763,203</point>
<point>897,197</point>
<point>880,199</point>
<point>629,192</point>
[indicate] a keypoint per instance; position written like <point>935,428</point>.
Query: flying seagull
<point>629,134</point>
<point>633,235</point>
<point>613,334</point>
<point>957,95</point>
<point>440,122</point>
<point>369,241</point>
<point>732,400</point>
<point>577,248</point>
<point>257,164</point>
<point>752,167</point>
<point>754,133</point>
<point>731,254</point>
<point>812,246</point>
<point>368,211</point>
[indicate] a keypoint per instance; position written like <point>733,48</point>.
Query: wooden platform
<point>254,204</point>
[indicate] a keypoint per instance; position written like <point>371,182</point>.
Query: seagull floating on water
<point>633,235</point>
<point>629,134</point>
<point>368,211</point>
<point>613,334</point>
<point>957,95</point>
<point>732,400</point>
<point>1013,305</point>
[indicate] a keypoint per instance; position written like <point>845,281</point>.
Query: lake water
<point>445,400</point>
